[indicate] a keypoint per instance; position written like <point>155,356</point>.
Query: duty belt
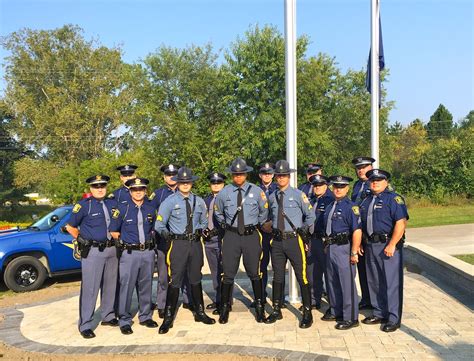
<point>339,239</point>
<point>102,245</point>
<point>283,236</point>
<point>191,237</point>
<point>248,230</point>
<point>213,232</point>
<point>318,235</point>
<point>379,238</point>
<point>148,245</point>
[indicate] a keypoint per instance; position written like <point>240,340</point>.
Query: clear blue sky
<point>428,43</point>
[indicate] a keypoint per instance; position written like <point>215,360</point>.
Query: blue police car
<point>44,249</point>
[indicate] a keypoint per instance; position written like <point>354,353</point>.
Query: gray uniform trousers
<point>341,276</point>
<point>214,259</point>
<point>136,270</point>
<point>316,260</point>
<point>385,279</point>
<point>99,271</point>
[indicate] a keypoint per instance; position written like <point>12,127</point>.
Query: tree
<point>441,123</point>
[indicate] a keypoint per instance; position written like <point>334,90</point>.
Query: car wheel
<point>24,274</point>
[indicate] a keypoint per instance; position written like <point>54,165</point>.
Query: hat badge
<point>339,179</point>
<point>185,174</point>
<point>126,167</point>
<point>281,167</point>
<point>216,175</point>
<point>376,172</point>
<point>137,181</point>
<point>267,165</point>
<point>171,167</point>
<point>98,177</point>
<point>237,166</point>
<point>359,160</point>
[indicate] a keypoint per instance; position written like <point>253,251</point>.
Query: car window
<point>46,222</point>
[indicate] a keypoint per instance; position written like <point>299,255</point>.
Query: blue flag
<point>381,64</point>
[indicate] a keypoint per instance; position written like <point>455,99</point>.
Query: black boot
<point>226,289</point>
<point>170,309</point>
<point>259,309</point>
<point>307,319</point>
<point>276,313</point>
<point>198,302</point>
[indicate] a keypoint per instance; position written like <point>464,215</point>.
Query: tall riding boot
<point>259,309</point>
<point>276,313</point>
<point>307,319</point>
<point>226,289</point>
<point>172,296</point>
<point>199,314</point>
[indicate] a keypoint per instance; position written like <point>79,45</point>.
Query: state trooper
<point>311,169</point>
<point>89,223</point>
<point>384,216</point>
<point>181,219</point>
<point>213,239</point>
<point>359,192</point>
<point>316,259</point>
<point>122,194</point>
<point>342,243</point>
<point>292,215</point>
<point>241,207</point>
<point>131,227</point>
<point>265,173</point>
<point>157,198</point>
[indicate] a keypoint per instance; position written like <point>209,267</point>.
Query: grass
<point>469,258</point>
<point>437,215</point>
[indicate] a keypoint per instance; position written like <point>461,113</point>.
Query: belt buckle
<point>190,237</point>
<point>142,247</point>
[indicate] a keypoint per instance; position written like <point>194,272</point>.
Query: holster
<point>118,248</point>
<point>304,234</point>
<point>84,246</point>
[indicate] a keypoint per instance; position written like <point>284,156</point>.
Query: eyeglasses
<point>98,186</point>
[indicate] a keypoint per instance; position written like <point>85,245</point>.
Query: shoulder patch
<point>76,208</point>
<point>159,217</point>
<point>355,209</point>
<point>263,195</point>
<point>399,200</point>
<point>111,196</point>
<point>265,205</point>
<point>152,195</point>
<point>304,197</point>
<point>115,213</point>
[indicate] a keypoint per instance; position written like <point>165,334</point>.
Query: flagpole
<point>290,92</point>
<point>374,84</point>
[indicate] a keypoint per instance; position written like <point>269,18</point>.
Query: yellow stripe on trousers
<point>303,259</point>
<point>168,261</point>
<point>260,274</point>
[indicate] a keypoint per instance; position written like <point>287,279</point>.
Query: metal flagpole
<point>290,92</point>
<point>374,83</point>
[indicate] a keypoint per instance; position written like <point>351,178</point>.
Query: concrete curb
<point>424,259</point>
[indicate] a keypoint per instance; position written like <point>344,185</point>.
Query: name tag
<point>94,214</point>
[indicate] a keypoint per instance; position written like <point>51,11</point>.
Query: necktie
<point>141,231</point>
<point>280,219</point>
<point>370,217</point>
<point>240,218</point>
<point>359,193</point>
<point>329,224</point>
<point>189,225</point>
<point>107,218</point>
<point>210,215</point>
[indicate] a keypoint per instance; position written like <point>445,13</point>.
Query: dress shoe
<point>373,320</point>
<point>390,327</point>
<point>328,316</point>
<point>212,306</point>
<point>88,333</point>
<point>113,322</point>
<point>126,330</point>
<point>365,306</point>
<point>345,325</point>
<point>161,313</point>
<point>188,306</point>
<point>252,305</point>
<point>149,323</point>
<point>316,306</point>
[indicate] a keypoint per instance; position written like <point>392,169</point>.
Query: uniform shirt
<point>345,217</point>
<point>172,214</point>
<point>320,206</point>
<point>255,205</point>
<point>389,207</point>
<point>121,195</point>
<point>306,188</point>
<point>159,195</point>
<point>360,191</point>
<point>125,220</point>
<point>88,216</point>
<point>271,188</point>
<point>296,207</point>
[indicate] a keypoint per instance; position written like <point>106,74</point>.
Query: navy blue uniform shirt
<point>389,207</point>
<point>320,205</point>
<point>360,191</point>
<point>306,188</point>
<point>125,221</point>
<point>271,188</point>
<point>121,195</point>
<point>88,216</point>
<point>159,195</point>
<point>345,217</point>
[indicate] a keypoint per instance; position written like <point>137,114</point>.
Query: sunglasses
<point>98,186</point>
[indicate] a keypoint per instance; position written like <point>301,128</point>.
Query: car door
<point>62,257</point>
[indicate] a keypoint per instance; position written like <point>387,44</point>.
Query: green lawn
<point>469,258</point>
<point>440,215</point>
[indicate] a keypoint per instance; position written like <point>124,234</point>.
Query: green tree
<point>441,123</point>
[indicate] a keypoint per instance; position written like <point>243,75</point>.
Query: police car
<point>44,249</point>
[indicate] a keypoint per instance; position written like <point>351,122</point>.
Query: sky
<point>428,44</point>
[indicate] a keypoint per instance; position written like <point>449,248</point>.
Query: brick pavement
<point>435,326</point>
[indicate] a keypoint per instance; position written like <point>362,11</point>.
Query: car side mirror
<point>54,218</point>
